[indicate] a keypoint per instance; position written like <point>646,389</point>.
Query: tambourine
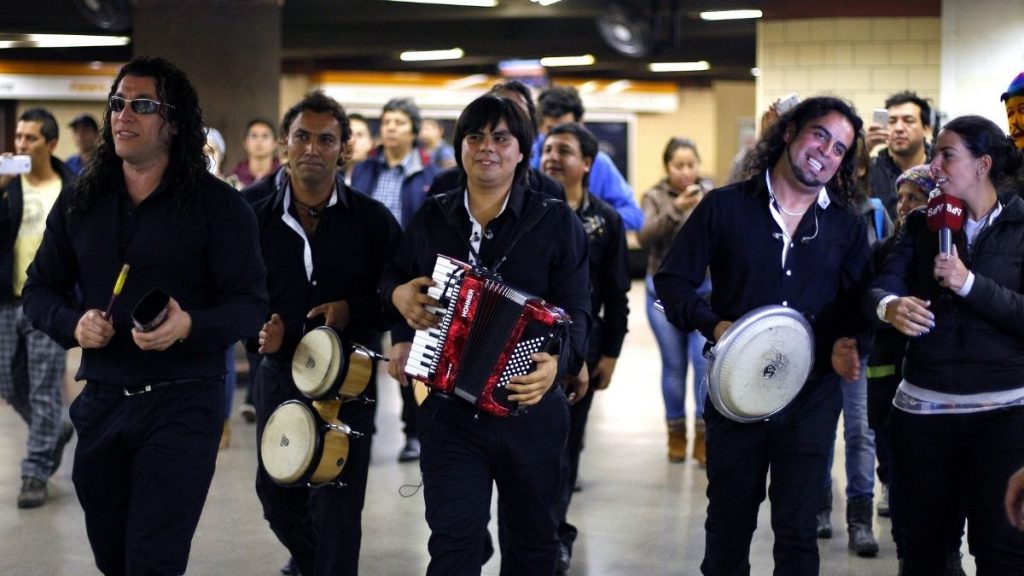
<point>760,363</point>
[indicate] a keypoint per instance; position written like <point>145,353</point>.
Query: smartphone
<point>880,117</point>
<point>787,103</point>
<point>20,164</point>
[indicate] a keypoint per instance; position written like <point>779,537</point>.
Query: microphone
<point>945,216</point>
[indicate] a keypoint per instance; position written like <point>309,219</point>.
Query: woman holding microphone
<point>958,423</point>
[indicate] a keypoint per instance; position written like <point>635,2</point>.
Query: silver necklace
<point>784,211</point>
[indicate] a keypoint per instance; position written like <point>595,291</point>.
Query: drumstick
<point>117,291</point>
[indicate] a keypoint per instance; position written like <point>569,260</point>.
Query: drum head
<point>316,363</point>
<point>289,442</point>
<point>761,363</point>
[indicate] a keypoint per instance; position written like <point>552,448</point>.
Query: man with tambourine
<point>789,259</point>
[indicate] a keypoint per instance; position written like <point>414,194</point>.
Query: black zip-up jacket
<point>977,344</point>
<point>12,200</point>
<point>732,231</point>
<point>549,262</point>
<point>354,240</point>
<point>205,255</point>
<point>609,277</point>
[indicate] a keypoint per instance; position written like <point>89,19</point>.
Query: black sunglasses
<point>139,105</point>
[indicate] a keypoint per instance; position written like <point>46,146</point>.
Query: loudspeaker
<point>112,15</point>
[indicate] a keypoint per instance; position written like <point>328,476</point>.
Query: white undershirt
<point>291,222</point>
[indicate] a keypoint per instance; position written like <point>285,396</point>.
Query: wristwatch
<point>880,309</point>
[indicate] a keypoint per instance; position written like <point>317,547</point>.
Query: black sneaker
<point>248,412</point>
<point>564,562</point>
<point>291,568</point>
<point>66,432</point>
<point>411,451</point>
<point>33,493</point>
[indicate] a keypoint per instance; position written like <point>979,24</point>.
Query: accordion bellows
<point>487,334</point>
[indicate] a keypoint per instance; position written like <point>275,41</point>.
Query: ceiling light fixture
<point>679,66</point>
<point>730,14</point>
<point>545,2</point>
<point>60,40</point>
<point>478,3</point>
<point>555,61</point>
<point>466,81</point>
<point>425,55</point>
<point>618,86</point>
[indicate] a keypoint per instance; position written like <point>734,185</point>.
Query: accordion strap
<point>530,219</point>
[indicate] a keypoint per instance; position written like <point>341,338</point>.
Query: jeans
<point>945,461</point>
<point>678,349</point>
<point>859,440</point>
<point>791,450</point>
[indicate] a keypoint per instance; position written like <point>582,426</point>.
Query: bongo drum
<point>760,364</point>
<point>325,367</point>
<point>299,447</point>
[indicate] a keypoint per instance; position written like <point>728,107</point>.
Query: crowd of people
<point>919,347</point>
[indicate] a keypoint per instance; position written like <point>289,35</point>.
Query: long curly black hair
<point>188,164</point>
<point>772,144</point>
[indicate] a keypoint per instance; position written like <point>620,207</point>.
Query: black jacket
<point>609,277</point>
<point>354,239</point>
<point>549,262</point>
<point>205,255</point>
<point>977,344</point>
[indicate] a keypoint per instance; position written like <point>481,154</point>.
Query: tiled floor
<point>638,514</point>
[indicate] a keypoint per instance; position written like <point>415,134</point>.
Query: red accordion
<point>487,334</point>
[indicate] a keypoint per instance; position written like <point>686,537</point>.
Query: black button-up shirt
<point>826,271</point>
<point>355,238</point>
<point>202,252</point>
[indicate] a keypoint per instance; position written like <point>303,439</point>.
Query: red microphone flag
<point>945,216</point>
<point>945,211</point>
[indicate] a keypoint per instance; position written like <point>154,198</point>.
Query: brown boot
<point>700,453</point>
<point>225,435</point>
<point>677,440</point>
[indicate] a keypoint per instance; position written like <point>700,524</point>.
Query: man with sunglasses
<point>150,416</point>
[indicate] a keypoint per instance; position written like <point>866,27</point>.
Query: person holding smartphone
<point>905,135</point>
<point>666,207</point>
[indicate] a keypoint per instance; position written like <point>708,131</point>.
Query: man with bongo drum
<point>787,237</point>
<point>324,245</point>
